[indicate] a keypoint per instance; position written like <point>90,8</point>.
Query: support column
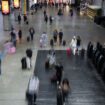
<point>23,6</point>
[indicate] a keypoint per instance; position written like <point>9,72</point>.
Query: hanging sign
<point>16,3</point>
<point>5,7</point>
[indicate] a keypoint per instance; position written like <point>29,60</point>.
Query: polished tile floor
<point>14,81</point>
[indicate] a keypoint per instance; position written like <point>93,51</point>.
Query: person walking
<point>13,37</point>
<point>55,33</point>
<point>60,36</point>
<point>59,72</point>
<point>50,20</point>
<point>65,88</point>
<point>19,18</point>
<point>73,45</point>
<point>33,89</point>
<point>44,13</point>
<point>20,35</point>
<point>44,37</point>
<point>32,32</point>
<point>46,18</point>
<point>25,18</point>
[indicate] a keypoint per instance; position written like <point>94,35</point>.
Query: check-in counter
<point>93,10</point>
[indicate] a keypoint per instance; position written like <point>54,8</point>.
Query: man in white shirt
<point>33,88</point>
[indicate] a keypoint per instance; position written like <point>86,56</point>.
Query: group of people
<point>10,45</point>
<point>19,18</point>
<point>63,86</point>
<point>57,38</point>
<point>46,18</point>
<point>17,35</point>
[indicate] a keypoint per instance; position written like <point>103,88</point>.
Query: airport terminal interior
<point>83,65</point>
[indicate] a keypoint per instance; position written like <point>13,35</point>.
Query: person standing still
<point>31,31</point>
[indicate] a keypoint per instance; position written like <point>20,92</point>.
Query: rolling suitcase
<point>68,51</point>
<point>24,63</point>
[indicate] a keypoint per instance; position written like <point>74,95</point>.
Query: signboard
<point>16,3</point>
<point>5,7</point>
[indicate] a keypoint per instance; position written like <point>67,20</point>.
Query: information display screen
<point>5,7</point>
<point>16,3</point>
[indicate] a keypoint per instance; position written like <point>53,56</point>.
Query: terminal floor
<point>13,80</point>
<point>86,86</point>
